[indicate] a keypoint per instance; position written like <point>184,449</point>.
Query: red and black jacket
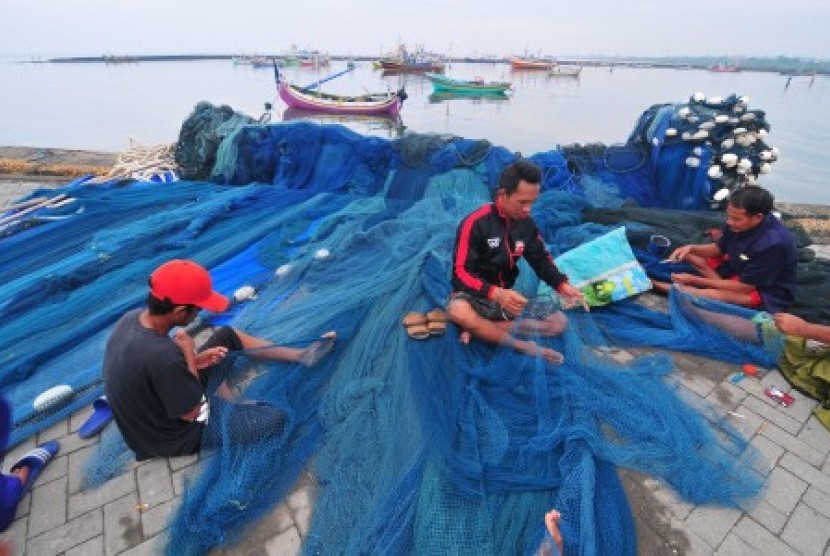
<point>488,247</point>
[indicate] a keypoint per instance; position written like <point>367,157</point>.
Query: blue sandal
<point>100,418</point>
<point>36,461</point>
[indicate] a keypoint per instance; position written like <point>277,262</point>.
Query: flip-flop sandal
<point>100,418</point>
<point>437,322</point>
<point>416,325</point>
<point>36,461</point>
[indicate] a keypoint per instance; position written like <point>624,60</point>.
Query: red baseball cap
<point>186,283</point>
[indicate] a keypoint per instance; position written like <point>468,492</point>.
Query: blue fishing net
<point>416,447</point>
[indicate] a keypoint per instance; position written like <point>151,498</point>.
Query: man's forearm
<point>723,284</point>
<point>705,250</point>
<point>817,332</point>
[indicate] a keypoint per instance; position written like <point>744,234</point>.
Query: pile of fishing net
<point>416,447</point>
<point>712,145</point>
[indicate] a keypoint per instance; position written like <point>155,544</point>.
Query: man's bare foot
<point>535,350</point>
<point>552,525</point>
<point>319,349</point>
<point>465,337</point>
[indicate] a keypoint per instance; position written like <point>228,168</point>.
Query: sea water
<point>107,106</point>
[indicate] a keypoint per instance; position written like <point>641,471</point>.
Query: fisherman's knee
<point>459,310</point>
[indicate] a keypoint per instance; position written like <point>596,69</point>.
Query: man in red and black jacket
<point>488,245</point>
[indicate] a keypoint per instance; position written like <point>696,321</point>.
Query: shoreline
<point>789,66</point>
<point>22,167</point>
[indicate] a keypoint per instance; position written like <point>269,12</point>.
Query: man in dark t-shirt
<point>753,263</point>
<point>156,384</point>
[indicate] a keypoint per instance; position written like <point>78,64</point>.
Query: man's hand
<point>572,296</point>
<point>680,253</point>
<point>570,293</point>
<point>184,341</point>
<point>511,300</point>
<point>790,324</point>
<point>210,356</point>
<point>685,278</point>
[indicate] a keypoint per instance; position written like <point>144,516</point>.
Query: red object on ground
<point>750,369</point>
<point>781,397</point>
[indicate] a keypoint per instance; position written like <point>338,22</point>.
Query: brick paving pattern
<point>129,514</point>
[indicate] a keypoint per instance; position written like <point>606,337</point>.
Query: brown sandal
<point>437,322</point>
<point>416,325</point>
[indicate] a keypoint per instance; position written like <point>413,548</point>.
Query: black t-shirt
<point>149,388</point>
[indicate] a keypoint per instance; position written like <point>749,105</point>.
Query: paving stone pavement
<point>129,514</point>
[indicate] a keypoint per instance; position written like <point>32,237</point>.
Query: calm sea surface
<point>103,107</point>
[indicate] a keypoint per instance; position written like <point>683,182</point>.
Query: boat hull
<point>399,67</point>
<point>376,104</point>
<point>441,83</point>
<point>562,71</point>
<point>517,63</point>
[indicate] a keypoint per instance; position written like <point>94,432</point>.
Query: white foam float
<point>765,168</point>
<point>715,172</point>
<point>721,194</point>
<point>52,398</point>
<point>709,124</point>
<point>283,270</point>
<point>721,119</point>
<point>322,254</point>
<point>671,132</point>
<point>729,159</point>
<point>727,143</point>
<point>244,293</point>
<point>698,97</point>
<point>692,162</point>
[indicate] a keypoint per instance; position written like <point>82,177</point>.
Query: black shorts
<point>213,376</point>
<point>487,309</point>
<point>490,310</point>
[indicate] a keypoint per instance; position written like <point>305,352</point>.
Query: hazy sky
<point>458,27</point>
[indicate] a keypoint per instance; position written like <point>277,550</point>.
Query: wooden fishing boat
<point>472,86</point>
<point>416,61</point>
<point>530,64</point>
<point>411,66</point>
<point>369,104</point>
<point>565,71</point>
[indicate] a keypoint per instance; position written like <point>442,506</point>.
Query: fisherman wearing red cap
<point>156,383</point>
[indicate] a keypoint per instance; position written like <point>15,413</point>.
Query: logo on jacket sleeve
<point>493,242</point>
<point>520,248</point>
